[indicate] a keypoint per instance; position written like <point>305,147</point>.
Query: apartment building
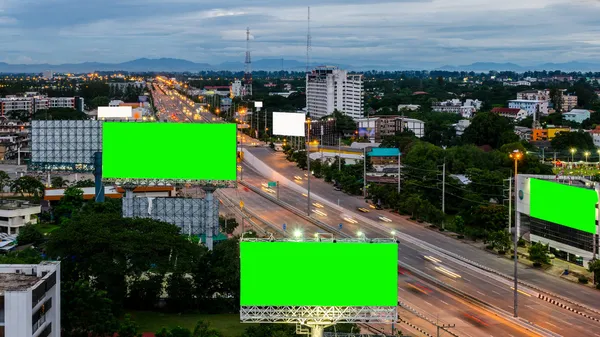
<point>15,214</point>
<point>454,106</point>
<point>32,104</point>
<point>569,101</point>
<point>329,88</point>
<point>531,106</point>
<point>378,127</point>
<point>534,95</point>
<point>30,300</point>
<point>577,115</point>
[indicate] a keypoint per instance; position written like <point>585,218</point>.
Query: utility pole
<point>444,190</point>
<point>365,172</point>
<point>308,166</point>
<point>509,203</point>
<point>443,326</point>
<point>399,173</point>
<point>339,153</point>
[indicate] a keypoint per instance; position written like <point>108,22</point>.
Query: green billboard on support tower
<point>170,151</point>
<point>570,206</point>
<point>357,274</point>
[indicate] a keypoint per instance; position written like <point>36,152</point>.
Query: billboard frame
<point>319,316</point>
<point>174,182</point>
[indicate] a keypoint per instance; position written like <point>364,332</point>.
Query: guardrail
<point>236,210</point>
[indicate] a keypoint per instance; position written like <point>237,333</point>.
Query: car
<point>384,219</point>
<point>362,209</point>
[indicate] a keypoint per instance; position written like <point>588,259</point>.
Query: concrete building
<point>454,106</point>
<point>569,101</point>
<point>531,106</point>
<point>596,136</point>
<point>329,88</point>
<point>15,214</point>
<point>474,103</point>
<point>115,103</point>
<point>48,75</point>
<point>237,89</point>
<point>461,126</point>
<point>323,131</point>
<point>378,127</point>
<point>32,104</point>
<point>577,115</point>
<point>284,94</point>
<point>517,83</point>
<point>410,107</point>
<point>112,192</point>
<point>534,95</point>
<point>512,113</point>
<point>30,300</point>
<point>547,134</point>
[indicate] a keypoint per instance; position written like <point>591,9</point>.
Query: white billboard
<point>288,124</point>
<point>114,112</point>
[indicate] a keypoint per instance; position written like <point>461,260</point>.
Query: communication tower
<point>248,69</point>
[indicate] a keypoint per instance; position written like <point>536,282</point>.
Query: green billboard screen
<point>318,274</point>
<point>187,151</point>
<point>565,205</point>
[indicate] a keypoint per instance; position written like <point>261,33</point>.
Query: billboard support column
<point>98,177</point>
<point>210,216</point>
<point>317,330</point>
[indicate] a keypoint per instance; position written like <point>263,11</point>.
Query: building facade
<point>30,300</point>
<point>15,214</point>
<point>569,101</point>
<point>378,127</point>
<point>455,106</point>
<point>32,104</point>
<point>577,115</point>
<point>512,113</point>
<point>531,106</point>
<point>329,88</point>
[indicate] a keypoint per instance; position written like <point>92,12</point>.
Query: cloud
<point>405,33</point>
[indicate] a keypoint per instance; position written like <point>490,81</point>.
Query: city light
<point>297,233</point>
<point>359,234</point>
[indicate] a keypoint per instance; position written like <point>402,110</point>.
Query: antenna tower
<point>248,70</point>
<point>308,44</point>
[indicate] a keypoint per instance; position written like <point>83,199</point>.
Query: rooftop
<point>9,205</point>
<point>16,282</point>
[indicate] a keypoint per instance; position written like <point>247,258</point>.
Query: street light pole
<point>515,155</point>
<point>340,154</point>
<point>572,158</point>
<point>364,172</point>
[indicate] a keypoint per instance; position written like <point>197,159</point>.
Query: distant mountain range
<point>157,65</point>
<point>179,65</point>
<point>487,66</point>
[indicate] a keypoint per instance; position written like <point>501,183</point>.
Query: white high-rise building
<point>30,300</point>
<point>329,88</point>
<point>237,89</point>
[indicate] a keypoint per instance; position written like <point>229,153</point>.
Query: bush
<point>30,234</point>
<point>583,280</point>
<point>521,242</point>
<point>460,237</point>
<point>489,247</point>
<point>537,264</point>
<point>501,252</point>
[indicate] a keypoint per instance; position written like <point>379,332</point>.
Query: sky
<point>403,33</point>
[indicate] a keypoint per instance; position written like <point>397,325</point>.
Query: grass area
<point>149,321</point>
<point>46,228</point>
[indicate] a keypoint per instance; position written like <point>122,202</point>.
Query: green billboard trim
<point>570,206</point>
<point>186,151</point>
<point>318,274</point>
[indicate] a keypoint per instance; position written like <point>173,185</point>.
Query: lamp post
<point>572,157</point>
<point>516,155</point>
<point>586,154</point>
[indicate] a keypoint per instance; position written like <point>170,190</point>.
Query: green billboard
<point>187,151</point>
<point>565,205</point>
<point>319,274</point>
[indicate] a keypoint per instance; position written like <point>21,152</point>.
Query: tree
<point>556,99</point>
<point>489,129</point>
<point>128,328</point>
<point>163,333</point>
<point>180,332</point>
<point>145,291</point>
<point>500,240</point>
<point>228,226</point>
<point>99,101</point>
<point>84,183</point>
<point>26,256</point>
<point>538,253</point>
<point>58,182</point>
<point>491,218</point>
<point>594,267</point>
<point>29,185</point>
<point>30,234</point>
<point>70,202</point>
<point>203,329</point>
<point>579,140</point>
<point>4,181</point>
<point>86,311</point>
<point>179,288</point>
<point>59,114</point>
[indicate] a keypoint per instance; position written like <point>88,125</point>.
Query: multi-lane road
<point>424,296</point>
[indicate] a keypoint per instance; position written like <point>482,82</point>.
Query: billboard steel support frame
<point>317,315</point>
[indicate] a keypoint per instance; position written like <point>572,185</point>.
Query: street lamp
<point>572,157</point>
<point>516,155</point>
<point>297,234</point>
<point>586,154</point>
<point>359,234</point>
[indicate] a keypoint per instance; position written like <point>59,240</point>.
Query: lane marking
<point>495,292</point>
<point>480,293</point>
<point>553,325</point>
<point>444,302</point>
<point>428,303</point>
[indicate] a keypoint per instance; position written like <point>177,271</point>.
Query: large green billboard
<point>187,151</point>
<point>318,274</point>
<point>565,205</point>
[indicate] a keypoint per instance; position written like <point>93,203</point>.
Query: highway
<point>426,298</point>
<point>493,290</point>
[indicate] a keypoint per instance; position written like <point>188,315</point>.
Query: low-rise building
<point>531,106</point>
<point>534,95</point>
<point>512,113</point>
<point>381,126</point>
<point>577,115</point>
<point>569,101</point>
<point>15,214</point>
<point>32,104</point>
<point>596,136</point>
<point>30,300</point>
<point>55,194</point>
<point>454,106</point>
<point>410,107</point>
<point>461,126</point>
<point>517,83</point>
<point>548,133</point>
